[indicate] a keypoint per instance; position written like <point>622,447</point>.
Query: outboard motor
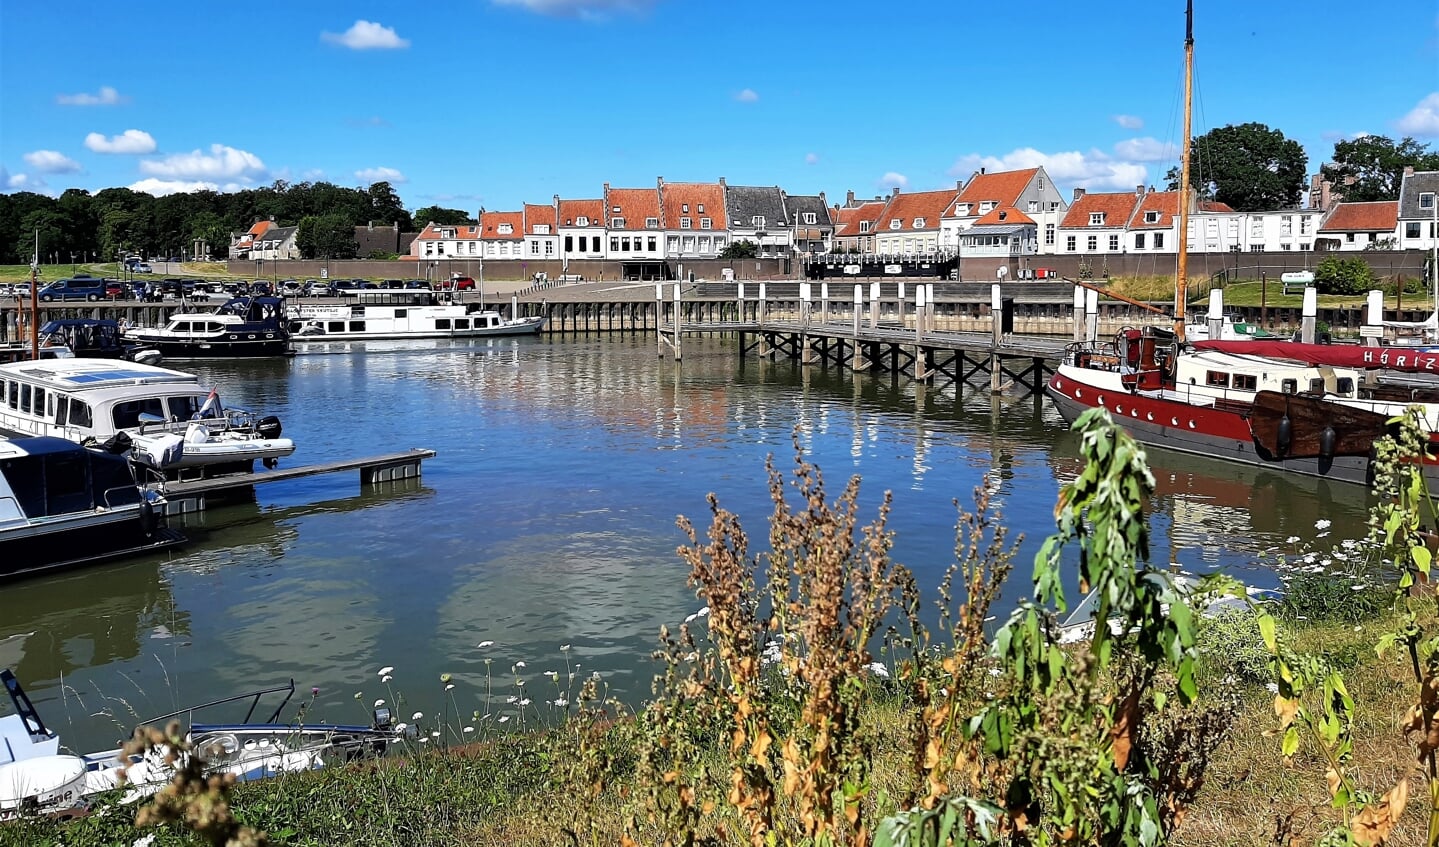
<point>268,427</point>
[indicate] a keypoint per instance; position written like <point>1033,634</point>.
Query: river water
<point>548,519</point>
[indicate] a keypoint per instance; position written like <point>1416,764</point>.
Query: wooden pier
<point>192,495</point>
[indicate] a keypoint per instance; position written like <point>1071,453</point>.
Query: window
<point>1096,219</point>
<point>1151,217</point>
<point>542,229</point>
<point>625,244</point>
<point>652,223</point>
<point>706,223</point>
<point>582,221</point>
<point>919,223</point>
<point>1349,236</point>
<point>700,208</point>
<point>1426,200</point>
<point>1285,246</point>
<point>569,243</point>
<point>810,218</point>
<point>614,210</point>
<point>505,229</point>
<point>685,208</point>
<point>654,244</point>
<point>894,223</point>
<point>1158,241</point>
<point>1049,233</point>
<point>757,221</point>
<point>1286,225</point>
<point>614,245</point>
<point>1139,241</point>
<point>985,206</point>
<point>534,248</point>
<point>686,223</point>
<point>1246,382</point>
<point>1303,225</point>
<point>549,248</point>
<point>1256,248</point>
<point>962,210</point>
<point>1289,386</point>
<point>1092,243</point>
<point>1034,205</point>
<point>1216,379</point>
<point>1113,243</point>
<point>1316,385</point>
<point>1040,183</point>
<point>674,244</point>
<point>864,226</point>
<point>1256,229</point>
<point>1069,243</point>
<point>1344,386</point>
<point>617,223</point>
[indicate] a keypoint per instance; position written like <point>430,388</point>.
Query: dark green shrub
<point>1350,275</point>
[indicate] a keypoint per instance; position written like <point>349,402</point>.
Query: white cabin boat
<point>391,314</point>
<point>172,422</point>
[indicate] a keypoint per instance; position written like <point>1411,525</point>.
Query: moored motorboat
<point>397,314</point>
<point>63,505</point>
<point>172,422</point>
<point>94,338</point>
<point>244,327</point>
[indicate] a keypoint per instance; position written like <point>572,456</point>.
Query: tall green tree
<point>1375,164</point>
<point>386,206</point>
<point>1249,166</point>
<point>328,236</point>
<point>442,216</point>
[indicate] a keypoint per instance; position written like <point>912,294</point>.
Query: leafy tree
<point>1375,165</point>
<point>743,249</point>
<point>1351,275</point>
<point>329,236</point>
<point>50,227</point>
<point>1250,167</point>
<point>385,205</point>
<point>442,216</point>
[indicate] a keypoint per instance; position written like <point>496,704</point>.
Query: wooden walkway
<point>192,495</point>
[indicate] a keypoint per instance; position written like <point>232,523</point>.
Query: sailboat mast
<point>1181,282</point>
<point>34,301</point>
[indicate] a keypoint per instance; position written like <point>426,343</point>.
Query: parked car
<point>114,288</point>
<point>73,289</point>
<point>417,283</point>
<point>143,268</point>
<point>22,290</point>
<point>458,283</point>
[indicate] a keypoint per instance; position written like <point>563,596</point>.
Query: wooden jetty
<point>193,495</point>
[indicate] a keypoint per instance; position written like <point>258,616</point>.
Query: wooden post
<point>739,303</point>
<point>900,304</point>
<point>761,304</point>
<point>874,305</point>
<point>806,355</point>
<point>919,312</point>
<point>824,302</point>
<point>996,309</point>
<point>659,320</point>
<point>678,311</point>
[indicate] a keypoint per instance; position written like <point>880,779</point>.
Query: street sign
<point>324,273</point>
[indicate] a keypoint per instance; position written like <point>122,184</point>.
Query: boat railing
<point>253,697</point>
<point>118,492</point>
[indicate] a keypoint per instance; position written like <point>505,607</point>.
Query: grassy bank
<point>821,698</point>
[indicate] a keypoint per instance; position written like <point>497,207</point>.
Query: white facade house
<point>1359,226</point>
<point>581,227</point>
<point>1029,191</point>
<point>542,239</point>
<point>447,241</point>
<point>1419,210</point>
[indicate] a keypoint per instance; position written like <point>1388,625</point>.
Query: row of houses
<point>1004,215</point>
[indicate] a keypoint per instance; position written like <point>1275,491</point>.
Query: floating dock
<point>187,496</point>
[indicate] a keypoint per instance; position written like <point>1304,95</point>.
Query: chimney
<point>1139,189</point>
<point>1078,193</point>
<point>272,219</point>
<point>849,199</point>
<point>959,185</point>
<point>894,192</point>
<point>1408,170</point>
<point>659,182</point>
<point>981,170</point>
<point>722,185</point>
<point>822,201</point>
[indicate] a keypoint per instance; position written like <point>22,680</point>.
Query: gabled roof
<point>920,206</point>
<point>279,234</point>
<point>1004,215</point>
<point>1377,216</point>
<point>1117,207</point>
<point>1002,189</point>
<point>675,196</point>
<point>1419,182</point>
<point>634,205</point>
<point>369,239</point>
<point>1164,205</point>
<point>847,220</point>
<point>544,215</point>
<point>490,226</point>
<point>573,210</point>
<point>744,203</point>
<point>260,227</point>
<point>800,204</point>
<point>435,232</point>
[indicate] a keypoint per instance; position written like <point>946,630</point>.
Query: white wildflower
<point>469,729</point>
<point>504,718</point>
<point>879,670</point>
<point>564,648</point>
<point>379,703</point>
<point>561,702</point>
<point>1273,687</point>
<point>525,702</point>
<point>704,611</point>
<point>386,678</point>
<point>1293,539</point>
<point>387,669</point>
<point>435,734</point>
<point>483,644</point>
<point>401,726</point>
<point>520,664</point>
<point>511,699</point>
<point>450,687</point>
<point>1322,523</point>
<point>417,716</point>
<point>143,841</point>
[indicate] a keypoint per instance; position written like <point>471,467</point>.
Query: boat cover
<point>1405,359</point>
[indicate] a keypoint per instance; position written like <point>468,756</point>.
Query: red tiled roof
<point>677,195</point>
<point>573,210</point>
<point>1378,216</point>
<point>846,220</point>
<point>259,228</point>
<point>539,215</point>
<point>1004,215</point>
<point>432,232</point>
<point>490,226</point>
<point>634,204</point>
<point>1164,204</point>
<point>1216,207</point>
<point>1115,206</point>
<point>907,208</point>
<point>1003,189</point>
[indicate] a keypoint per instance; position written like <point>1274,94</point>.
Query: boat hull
<point>74,543</point>
<point>1183,428</point>
<point>532,327</point>
<point>237,348</point>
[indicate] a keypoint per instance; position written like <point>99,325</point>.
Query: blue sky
<point>499,102</point>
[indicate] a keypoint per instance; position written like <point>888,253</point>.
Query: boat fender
<point>1327,439</point>
<point>269,427</point>
<point>1285,435</point>
<point>147,517</point>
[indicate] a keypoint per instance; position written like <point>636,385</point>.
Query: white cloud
<point>366,35</point>
<point>221,162</point>
<point>22,182</point>
<point>748,95</point>
<point>893,180</point>
<point>134,141</point>
<point>369,175</point>
<point>1094,170</point>
<point>1129,121</point>
<point>811,158</point>
<point>162,187</point>
<point>1146,150</point>
<point>51,162</point>
<point>372,120</point>
<point>586,9</point>
<point>1423,119</point>
<point>107,97</point>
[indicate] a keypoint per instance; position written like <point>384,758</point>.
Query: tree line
<point>79,226</point>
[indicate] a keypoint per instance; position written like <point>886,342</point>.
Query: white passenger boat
<point>392,314</point>
<point>172,422</point>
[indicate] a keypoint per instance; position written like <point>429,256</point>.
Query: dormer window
<point>685,208</point>
<point>919,223</point>
<point>617,223</point>
<point>614,210</point>
<point>1151,217</point>
<point>809,217</point>
<point>1096,219</point>
<point>582,221</point>
<point>757,221</point>
<point>963,209</point>
<point>542,229</point>
<point>705,223</point>
<point>986,206</point>
<point>506,229</point>
<point>1426,200</point>
<point>894,223</point>
<point>449,233</point>
<point>864,226</point>
<point>1003,215</point>
<point>700,208</point>
<point>652,223</point>
<point>685,223</point>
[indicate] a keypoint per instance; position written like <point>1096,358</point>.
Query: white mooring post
<point>806,303</point>
<point>739,301</point>
<point>1373,328</point>
<point>1091,314</point>
<point>874,305</point>
<point>824,302</point>
<point>678,312</point>
<point>899,306</point>
<point>1216,314</point>
<point>761,304</point>
<point>1079,323</point>
<point>1311,314</point>
<point>660,320</point>
<point>858,307</point>
<point>919,312</point>
<point>996,317</point>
